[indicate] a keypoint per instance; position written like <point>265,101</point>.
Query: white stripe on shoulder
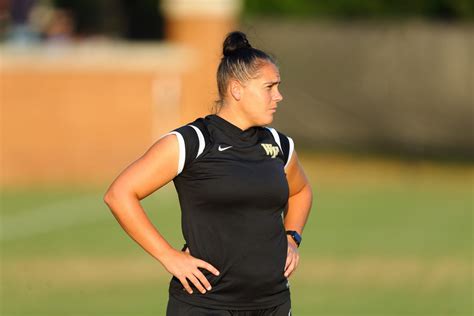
<point>290,150</point>
<point>202,143</point>
<point>275,136</point>
<point>182,150</point>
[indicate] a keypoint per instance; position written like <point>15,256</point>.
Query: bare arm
<point>299,206</point>
<point>150,172</point>
<point>154,169</point>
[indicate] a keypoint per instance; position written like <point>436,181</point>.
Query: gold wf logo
<point>271,150</point>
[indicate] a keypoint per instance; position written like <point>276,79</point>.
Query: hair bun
<point>235,41</point>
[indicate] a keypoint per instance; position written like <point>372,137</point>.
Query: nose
<point>277,97</point>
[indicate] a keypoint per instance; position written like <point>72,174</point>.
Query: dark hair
<point>240,61</point>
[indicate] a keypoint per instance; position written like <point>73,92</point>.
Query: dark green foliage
<point>354,9</point>
<point>134,20</point>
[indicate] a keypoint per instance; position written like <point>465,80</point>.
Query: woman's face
<point>260,95</point>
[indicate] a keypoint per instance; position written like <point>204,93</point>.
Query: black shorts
<point>178,308</point>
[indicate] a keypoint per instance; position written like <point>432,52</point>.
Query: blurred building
<point>80,111</point>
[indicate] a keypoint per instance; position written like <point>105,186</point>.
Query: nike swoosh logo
<point>223,148</point>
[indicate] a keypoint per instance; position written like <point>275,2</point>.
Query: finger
<point>290,269</point>
<point>185,283</point>
<point>289,258</point>
<point>290,264</point>
<point>295,265</point>
<point>198,274</point>
<point>208,267</point>
<point>196,283</point>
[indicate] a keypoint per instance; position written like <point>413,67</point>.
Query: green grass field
<point>384,238</point>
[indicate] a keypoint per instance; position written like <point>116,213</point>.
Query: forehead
<point>268,72</point>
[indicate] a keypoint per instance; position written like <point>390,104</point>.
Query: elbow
<point>109,198</point>
<point>310,189</point>
<point>306,190</point>
<point>117,195</point>
<point>309,193</point>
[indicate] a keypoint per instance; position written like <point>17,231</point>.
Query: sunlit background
<point>378,96</point>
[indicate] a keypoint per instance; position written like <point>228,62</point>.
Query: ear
<point>235,89</point>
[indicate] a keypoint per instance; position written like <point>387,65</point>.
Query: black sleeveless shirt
<point>232,190</point>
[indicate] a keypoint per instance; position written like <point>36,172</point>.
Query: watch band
<point>296,237</point>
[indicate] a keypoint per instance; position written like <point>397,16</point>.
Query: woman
<point>243,194</point>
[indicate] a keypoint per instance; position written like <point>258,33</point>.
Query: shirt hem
<point>280,299</point>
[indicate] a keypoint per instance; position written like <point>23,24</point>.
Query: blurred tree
<point>86,14</point>
<point>143,19</point>
<point>353,9</point>
<point>134,20</point>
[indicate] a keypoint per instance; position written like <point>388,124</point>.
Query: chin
<point>266,120</point>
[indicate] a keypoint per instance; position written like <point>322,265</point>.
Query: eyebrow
<point>272,82</point>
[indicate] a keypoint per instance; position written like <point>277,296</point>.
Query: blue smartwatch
<point>296,237</point>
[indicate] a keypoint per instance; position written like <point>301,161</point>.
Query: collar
<point>232,130</point>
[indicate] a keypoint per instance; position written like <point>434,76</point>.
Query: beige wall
<point>78,118</point>
<point>81,113</point>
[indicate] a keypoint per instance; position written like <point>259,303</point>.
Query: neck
<point>233,116</point>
